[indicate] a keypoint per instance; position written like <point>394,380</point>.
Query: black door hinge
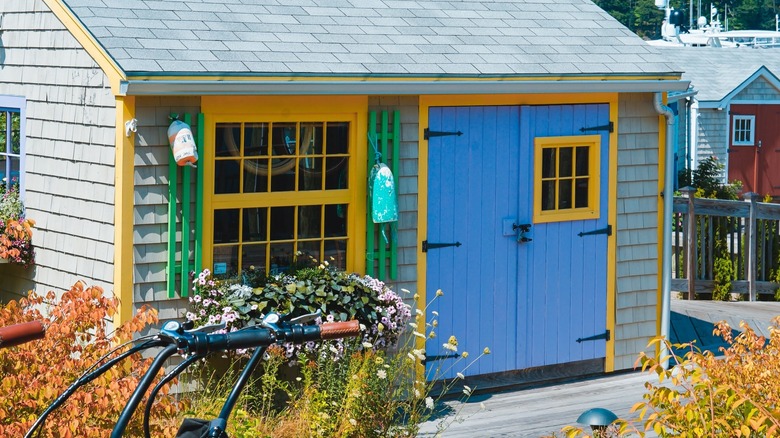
<point>608,127</point>
<point>426,246</point>
<point>604,336</point>
<point>428,133</point>
<point>606,230</point>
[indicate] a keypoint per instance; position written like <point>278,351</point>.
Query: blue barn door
<point>528,291</point>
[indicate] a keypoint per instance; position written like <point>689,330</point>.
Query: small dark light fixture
<point>598,419</point>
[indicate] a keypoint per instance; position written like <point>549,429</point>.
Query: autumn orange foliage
<point>15,240</point>
<point>32,375</point>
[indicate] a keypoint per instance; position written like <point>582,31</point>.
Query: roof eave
<point>393,87</point>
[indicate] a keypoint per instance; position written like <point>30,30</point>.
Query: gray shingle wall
<point>683,134</point>
<point>69,152</point>
<point>712,135</point>
<point>637,227</point>
<point>407,187</point>
<point>322,37</point>
<point>150,218</point>
<point>758,90</point>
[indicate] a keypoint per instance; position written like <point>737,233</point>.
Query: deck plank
<point>544,410</point>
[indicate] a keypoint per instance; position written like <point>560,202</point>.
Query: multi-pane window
<point>11,141</point>
<point>743,130</point>
<point>280,192</point>
<point>566,178</point>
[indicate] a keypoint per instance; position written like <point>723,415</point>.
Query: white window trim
<point>18,103</point>
<point>751,140</point>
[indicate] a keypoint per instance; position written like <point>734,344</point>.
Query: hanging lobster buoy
<point>185,153</point>
<point>384,203</point>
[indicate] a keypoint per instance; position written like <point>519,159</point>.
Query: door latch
<point>523,228</point>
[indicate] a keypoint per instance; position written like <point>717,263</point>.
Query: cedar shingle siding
<point>70,149</point>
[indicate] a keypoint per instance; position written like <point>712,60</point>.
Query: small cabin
<point>524,137</point>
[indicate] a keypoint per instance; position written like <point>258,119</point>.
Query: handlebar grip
<point>20,333</point>
<point>337,330</point>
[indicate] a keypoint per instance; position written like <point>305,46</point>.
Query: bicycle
<point>195,344</point>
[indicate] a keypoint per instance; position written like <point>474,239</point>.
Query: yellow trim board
<point>612,291</point>
<point>661,186</point>
<point>124,190</point>
<point>115,74</point>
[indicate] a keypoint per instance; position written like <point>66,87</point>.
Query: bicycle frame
<point>176,337</point>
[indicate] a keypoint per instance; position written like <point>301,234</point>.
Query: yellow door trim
<point>123,209</point>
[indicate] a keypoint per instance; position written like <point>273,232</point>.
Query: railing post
<point>690,244</point>
<point>751,245</point>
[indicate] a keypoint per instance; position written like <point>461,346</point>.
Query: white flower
<point>429,403</point>
<point>466,390</point>
<point>353,422</point>
<point>460,375</point>
<point>382,374</point>
<point>368,345</point>
<point>450,347</point>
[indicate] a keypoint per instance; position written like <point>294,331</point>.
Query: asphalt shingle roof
<point>367,37</point>
<point>716,72</point>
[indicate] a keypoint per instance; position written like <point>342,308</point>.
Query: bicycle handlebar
<point>195,342</point>
<point>17,334</point>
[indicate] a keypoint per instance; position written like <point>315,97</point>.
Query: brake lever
<point>208,328</point>
<point>305,319</point>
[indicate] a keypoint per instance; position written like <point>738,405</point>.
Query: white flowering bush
<point>338,295</point>
<point>351,390</point>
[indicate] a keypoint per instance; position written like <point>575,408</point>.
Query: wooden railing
<point>746,232</point>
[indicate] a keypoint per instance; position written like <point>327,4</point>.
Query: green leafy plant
<point>708,180</point>
<point>724,272</point>
<point>339,295</point>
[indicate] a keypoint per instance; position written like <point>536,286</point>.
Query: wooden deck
<point>542,410</point>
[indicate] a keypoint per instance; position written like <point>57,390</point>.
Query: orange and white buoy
<point>182,144</point>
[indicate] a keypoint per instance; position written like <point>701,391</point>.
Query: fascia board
<point>423,87</point>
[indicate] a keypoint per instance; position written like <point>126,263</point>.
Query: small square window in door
<point>566,178</point>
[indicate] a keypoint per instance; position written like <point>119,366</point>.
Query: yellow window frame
<point>592,210</point>
<point>290,109</point>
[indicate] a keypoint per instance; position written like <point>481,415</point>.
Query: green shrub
<point>339,295</point>
<point>724,272</point>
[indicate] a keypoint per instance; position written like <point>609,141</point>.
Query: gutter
<point>668,195</point>
<point>391,87</point>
